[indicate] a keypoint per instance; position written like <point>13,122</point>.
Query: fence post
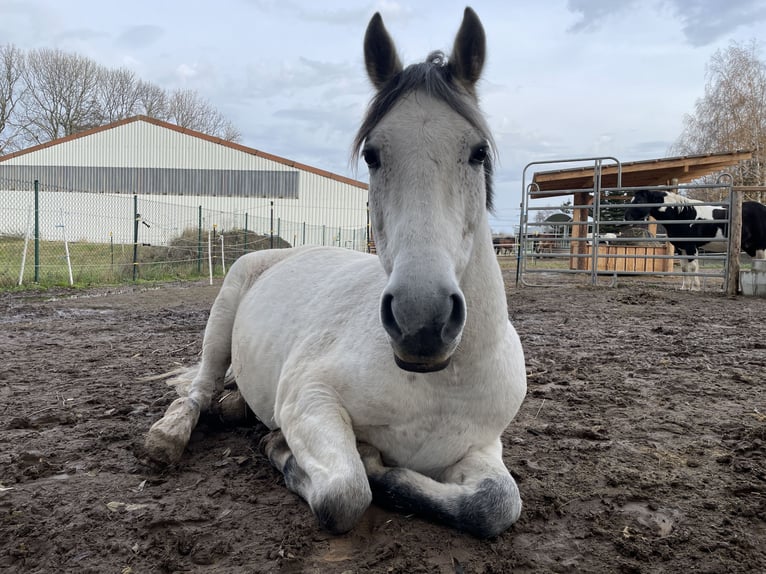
<point>244,247</point>
<point>367,239</point>
<point>37,231</point>
<point>135,237</point>
<point>271,227</point>
<point>199,240</point>
<point>735,241</point>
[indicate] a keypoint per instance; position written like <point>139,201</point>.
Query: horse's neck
<point>484,289</point>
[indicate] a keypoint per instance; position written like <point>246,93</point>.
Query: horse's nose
<point>424,328</point>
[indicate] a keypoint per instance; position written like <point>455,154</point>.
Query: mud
<point>641,446</point>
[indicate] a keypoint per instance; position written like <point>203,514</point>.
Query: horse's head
<point>638,212</point>
<point>429,154</point>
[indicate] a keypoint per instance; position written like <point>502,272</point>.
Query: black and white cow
<point>689,237</point>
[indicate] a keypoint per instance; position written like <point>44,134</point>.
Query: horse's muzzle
<point>424,329</point>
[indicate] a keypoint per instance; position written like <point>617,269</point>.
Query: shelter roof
<point>191,133</point>
<point>637,173</point>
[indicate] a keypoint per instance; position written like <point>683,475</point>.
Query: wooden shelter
<point>582,182</point>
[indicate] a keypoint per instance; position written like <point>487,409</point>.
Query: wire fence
<point>50,236</point>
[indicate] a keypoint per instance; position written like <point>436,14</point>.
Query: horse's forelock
<point>433,77</point>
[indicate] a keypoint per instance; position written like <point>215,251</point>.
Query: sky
<point>563,79</point>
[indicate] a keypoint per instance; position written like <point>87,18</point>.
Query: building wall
<point>303,206</point>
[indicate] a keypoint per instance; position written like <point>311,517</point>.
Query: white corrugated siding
<point>328,210</point>
<point>143,144</point>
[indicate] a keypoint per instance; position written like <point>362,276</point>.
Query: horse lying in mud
<point>389,377</point>
<point>689,236</point>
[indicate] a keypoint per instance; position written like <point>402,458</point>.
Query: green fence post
<point>37,231</point>
<point>135,237</point>
<point>244,247</point>
<point>271,227</point>
<point>199,240</point>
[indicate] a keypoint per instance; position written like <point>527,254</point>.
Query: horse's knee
<point>339,505</point>
<point>338,500</point>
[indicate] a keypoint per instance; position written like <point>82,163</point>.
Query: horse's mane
<point>434,77</point>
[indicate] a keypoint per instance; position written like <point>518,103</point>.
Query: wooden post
<point>580,230</point>
<point>735,242</point>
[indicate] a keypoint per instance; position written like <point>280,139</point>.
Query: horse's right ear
<point>469,52</point>
<point>380,55</point>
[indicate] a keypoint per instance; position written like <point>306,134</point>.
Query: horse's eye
<point>371,158</point>
<point>479,154</point>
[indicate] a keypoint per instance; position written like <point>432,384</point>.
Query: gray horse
<point>389,377</point>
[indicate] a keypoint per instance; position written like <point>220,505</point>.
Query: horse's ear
<point>469,52</point>
<point>380,55</point>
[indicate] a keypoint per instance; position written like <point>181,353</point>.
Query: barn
<point>94,185</point>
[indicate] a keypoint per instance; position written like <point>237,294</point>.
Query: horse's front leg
<point>476,495</point>
<point>318,457</point>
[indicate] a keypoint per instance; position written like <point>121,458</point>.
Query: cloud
<point>705,21</point>
<point>139,36</point>
<point>592,13</point>
<point>702,21</point>
<point>186,71</point>
<point>79,35</point>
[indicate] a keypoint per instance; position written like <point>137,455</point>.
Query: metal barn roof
<point>151,149</point>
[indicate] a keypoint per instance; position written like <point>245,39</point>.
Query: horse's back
<point>297,311</point>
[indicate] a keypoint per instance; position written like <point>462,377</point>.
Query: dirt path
<point>641,446</point>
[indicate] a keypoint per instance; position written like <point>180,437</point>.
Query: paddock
<point>604,248</point>
<point>639,447</point>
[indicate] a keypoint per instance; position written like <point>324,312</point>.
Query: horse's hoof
<point>272,440</point>
<point>231,408</point>
<point>163,448</point>
<point>370,456</point>
<point>274,446</point>
<point>167,438</point>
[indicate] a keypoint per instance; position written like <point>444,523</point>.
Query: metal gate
<point>596,245</point>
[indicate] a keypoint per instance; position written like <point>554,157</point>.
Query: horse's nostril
<point>456,320</point>
<point>387,316</point>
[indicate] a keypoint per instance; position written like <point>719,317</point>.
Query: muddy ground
<point>641,446</point>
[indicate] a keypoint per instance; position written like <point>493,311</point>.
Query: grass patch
<point>185,257</point>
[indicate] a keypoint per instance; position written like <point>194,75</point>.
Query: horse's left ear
<point>380,55</point>
<point>469,52</point>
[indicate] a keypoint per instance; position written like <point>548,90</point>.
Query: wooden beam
<point>735,243</point>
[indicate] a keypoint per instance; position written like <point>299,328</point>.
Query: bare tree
<point>11,90</point>
<point>47,94</point>
<point>62,95</point>
<point>119,94</point>
<point>188,110</point>
<point>152,100</point>
<point>732,114</point>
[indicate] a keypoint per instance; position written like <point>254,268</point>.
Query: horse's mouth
<point>421,367</point>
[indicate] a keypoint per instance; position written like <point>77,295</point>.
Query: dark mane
<point>434,77</point>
